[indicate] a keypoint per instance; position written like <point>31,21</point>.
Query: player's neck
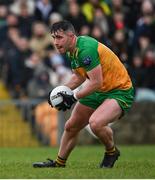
<point>73,45</point>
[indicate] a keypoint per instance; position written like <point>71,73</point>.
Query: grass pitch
<point>134,162</point>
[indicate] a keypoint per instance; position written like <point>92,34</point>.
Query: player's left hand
<point>48,100</point>
<point>68,100</point>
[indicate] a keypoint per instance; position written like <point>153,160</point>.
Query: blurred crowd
<point>30,66</point>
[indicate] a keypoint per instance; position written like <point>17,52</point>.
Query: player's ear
<point>70,34</point>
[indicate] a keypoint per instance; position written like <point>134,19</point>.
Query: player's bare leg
<point>108,112</point>
<point>78,120</point>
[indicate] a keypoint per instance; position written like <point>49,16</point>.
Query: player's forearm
<point>74,82</point>
<point>88,89</point>
<point>94,82</point>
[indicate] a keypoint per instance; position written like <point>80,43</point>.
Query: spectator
<point>99,35</point>
<point>3,15</point>
<point>54,17</point>
<point>75,16</point>
<point>138,72</point>
<point>39,84</point>
<point>145,23</point>
<point>25,53</point>
<point>42,11</point>
<point>25,21</point>
<point>149,64</point>
<point>14,62</point>
<point>85,30</point>
<point>131,13</point>
<point>57,64</point>
<point>143,43</point>
<point>40,39</point>
<point>89,7</point>
<point>120,45</point>
<point>11,20</point>
<point>15,7</point>
<point>101,20</point>
<point>117,23</point>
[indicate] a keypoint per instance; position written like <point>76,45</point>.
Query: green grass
<point>134,162</point>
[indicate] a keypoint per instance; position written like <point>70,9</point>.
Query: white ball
<point>57,99</point>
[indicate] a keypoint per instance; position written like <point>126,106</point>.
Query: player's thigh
<point>106,113</point>
<point>79,117</point>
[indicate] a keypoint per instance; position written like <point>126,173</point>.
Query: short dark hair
<point>62,25</point>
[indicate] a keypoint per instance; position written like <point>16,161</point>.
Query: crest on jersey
<point>87,60</point>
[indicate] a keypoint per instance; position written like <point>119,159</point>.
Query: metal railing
<point>19,125</point>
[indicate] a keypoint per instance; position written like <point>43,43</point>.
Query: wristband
<point>75,96</point>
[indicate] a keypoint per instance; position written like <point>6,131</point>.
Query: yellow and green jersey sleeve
<point>89,54</point>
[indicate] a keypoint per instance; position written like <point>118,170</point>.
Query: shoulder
<point>86,41</point>
<point>86,45</point>
<point>88,56</point>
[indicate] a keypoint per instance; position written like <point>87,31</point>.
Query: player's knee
<point>70,127</point>
<point>67,126</point>
<point>94,125</point>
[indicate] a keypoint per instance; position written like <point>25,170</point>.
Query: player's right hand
<point>61,107</point>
